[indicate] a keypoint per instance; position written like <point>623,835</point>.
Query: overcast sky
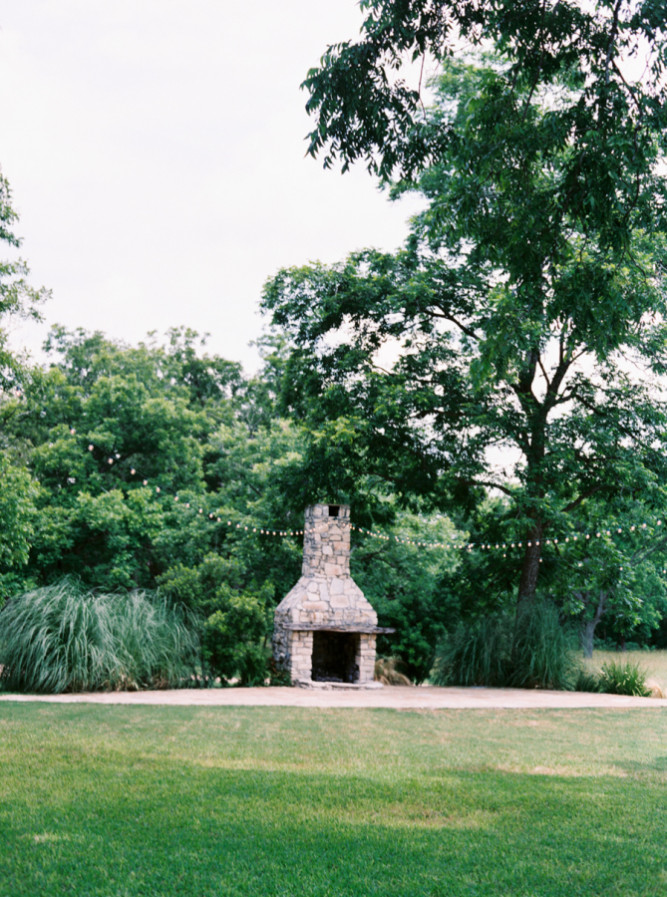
<point>155,150</point>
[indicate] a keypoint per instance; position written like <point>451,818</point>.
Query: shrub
<point>542,651</point>
<point>60,638</point>
<point>587,680</point>
<point>528,650</point>
<point>232,641</point>
<point>655,689</point>
<point>277,677</point>
<point>477,652</point>
<point>156,642</point>
<point>624,678</point>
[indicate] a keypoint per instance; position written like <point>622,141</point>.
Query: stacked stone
<point>326,542</point>
<point>366,658</point>
<point>325,596</point>
<point>298,649</point>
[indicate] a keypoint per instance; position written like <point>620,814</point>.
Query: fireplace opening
<point>334,510</point>
<point>335,657</point>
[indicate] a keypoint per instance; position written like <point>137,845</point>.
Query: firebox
<point>334,656</point>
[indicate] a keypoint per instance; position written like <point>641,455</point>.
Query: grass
<point>529,649</point>
<point>61,638</point>
<point>653,662</point>
<point>105,801</point>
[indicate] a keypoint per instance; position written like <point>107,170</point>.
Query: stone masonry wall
<point>326,542</point>
<point>325,595</point>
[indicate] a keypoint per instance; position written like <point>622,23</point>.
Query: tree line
<point>524,320</point>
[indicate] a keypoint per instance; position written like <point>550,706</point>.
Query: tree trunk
<point>587,632</point>
<point>588,628</point>
<point>530,568</point>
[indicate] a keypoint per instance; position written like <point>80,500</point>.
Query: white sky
<point>155,150</point>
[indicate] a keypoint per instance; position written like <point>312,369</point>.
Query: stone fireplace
<point>324,628</point>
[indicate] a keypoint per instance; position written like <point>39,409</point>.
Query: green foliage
<point>17,298</point>
<point>532,282</point>
<point>18,491</point>
<point>413,587</point>
<point>529,649</point>
<point>613,583</point>
<point>475,652</point>
<point>624,678</point>
<point>587,681</point>
<point>151,462</point>
<point>234,624</point>
<point>60,638</point>
<point>101,429</point>
<point>232,640</point>
<point>542,649</point>
<point>17,508</point>
<point>366,112</point>
<point>140,453</point>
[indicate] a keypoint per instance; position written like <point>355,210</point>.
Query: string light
<point>458,545</point>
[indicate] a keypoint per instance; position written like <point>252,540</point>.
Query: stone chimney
<point>324,628</point>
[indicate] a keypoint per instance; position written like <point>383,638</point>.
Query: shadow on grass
<point>162,828</point>
<point>637,767</point>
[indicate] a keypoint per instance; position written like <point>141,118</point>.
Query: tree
<point>17,297</point>
<point>526,312</point>
<point>17,300</point>
<point>16,513</point>
<point>104,433</point>
<point>614,576</point>
<point>141,459</point>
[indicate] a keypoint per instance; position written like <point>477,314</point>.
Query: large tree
<point>18,300</point>
<point>525,315</point>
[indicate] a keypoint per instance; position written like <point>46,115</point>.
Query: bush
<point>528,650</point>
<point>587,680</point>
<point>542,650</point>
<point>232,641</point>
<point>624,678</point>
<point>387,671</point>
<point>477,652</point>
<point>60,638</point>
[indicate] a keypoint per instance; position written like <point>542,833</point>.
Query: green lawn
<point>119,801</point>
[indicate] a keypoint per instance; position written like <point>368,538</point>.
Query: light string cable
<point>458,544</point>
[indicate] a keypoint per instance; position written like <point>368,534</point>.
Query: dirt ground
<point>388,696</point>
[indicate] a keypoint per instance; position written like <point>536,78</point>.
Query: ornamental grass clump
<point>624,678</point>
<point>387,671</point>
<point>543,655</point>
<point>62,639</point>
<point>528,649</point>
<point>475,652</point>
<point>587,680</point>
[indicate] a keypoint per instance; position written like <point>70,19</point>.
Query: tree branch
<point>448,316</point>
<point>490,485</point>
<point>540,364</point>
<point>581,498</point>
<point>641,554</point>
